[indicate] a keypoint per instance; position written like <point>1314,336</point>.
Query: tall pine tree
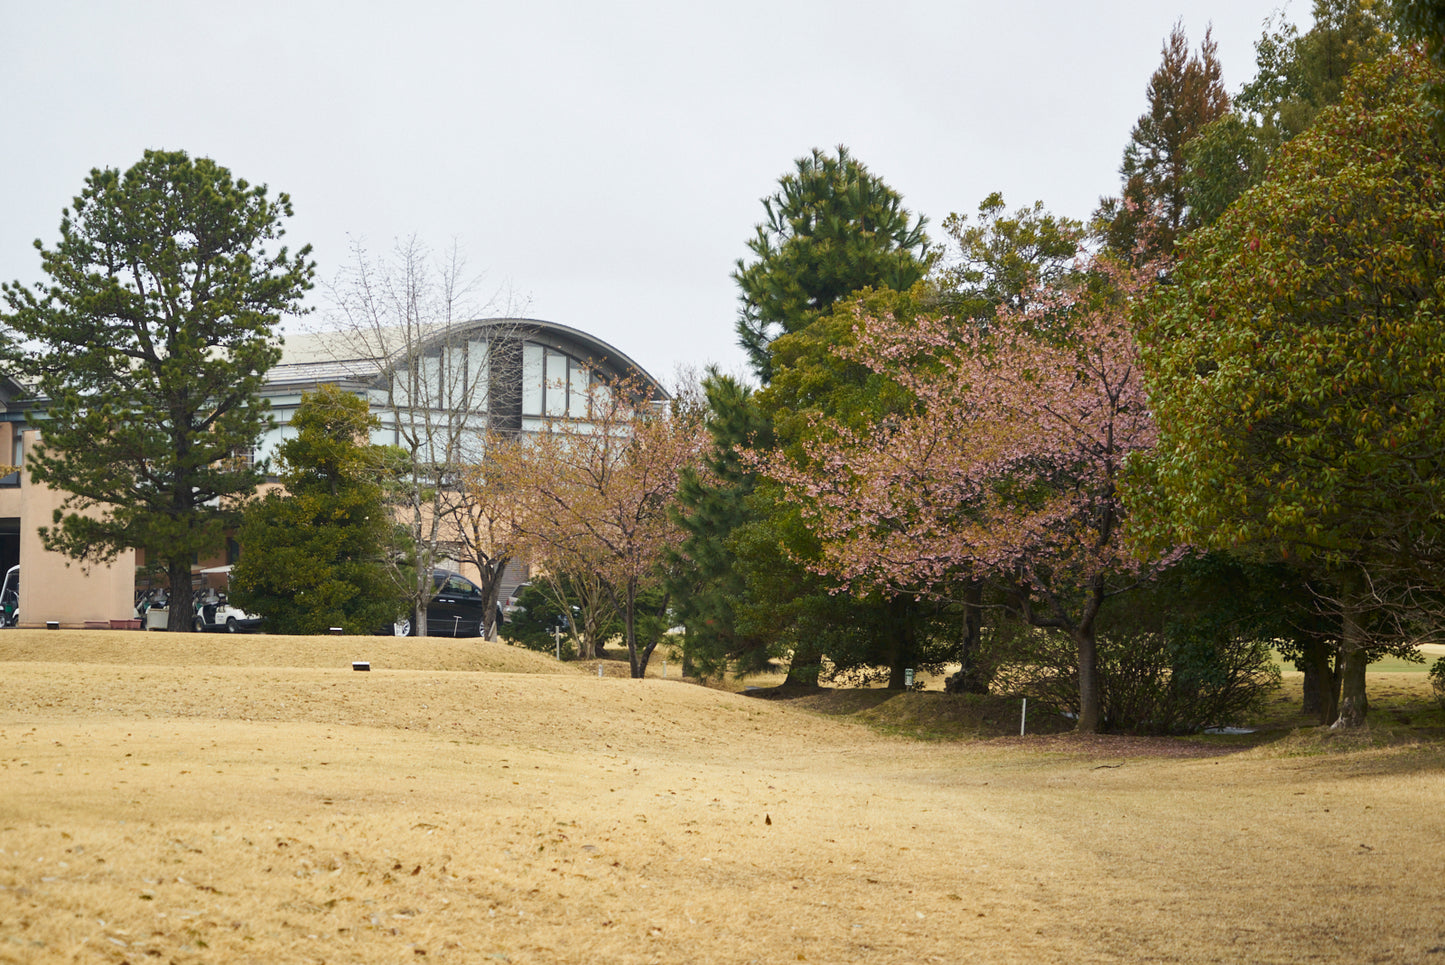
<point>150,345</point>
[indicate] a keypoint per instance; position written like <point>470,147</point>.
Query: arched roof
<point>362,356</point>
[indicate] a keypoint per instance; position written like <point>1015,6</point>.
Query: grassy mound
<point>135,648</point>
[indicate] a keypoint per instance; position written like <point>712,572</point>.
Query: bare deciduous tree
<point>594,495</point>
<point>402,320</point>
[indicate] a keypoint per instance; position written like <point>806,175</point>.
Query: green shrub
<point>533,626</point>
<point>1149,683</point>
<point>1437,681</point>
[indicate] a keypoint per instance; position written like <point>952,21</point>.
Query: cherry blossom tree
<point>594,497</point>
<point>482,515</point>
<point>1006,468</point>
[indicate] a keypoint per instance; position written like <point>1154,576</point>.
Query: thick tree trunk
<point>1091,718</point>
<point>491,572</point>
<point>900,641</point>
<point>1321,681</point>
<point>971,677</point>
<point>585,648</point>
<point>181,618</point>
<point>1353,660</point>
<point>1353,703</point>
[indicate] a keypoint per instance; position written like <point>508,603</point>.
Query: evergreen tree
<point>713,504</point>
<point>313,555</point>
<point>149,348</point>
<point>832,228</point>
<point>1424,21</point>
<point>1185,94</point>
<point>1296,366</point>
<point>1004,258</point>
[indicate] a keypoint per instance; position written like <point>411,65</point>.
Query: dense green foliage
<point>1297,76</point>
<point>540,620</point>
<point>149,347</point>
<point>314,554</point>
<point>1297,359</point>
<point>1003,258</point>
<point>1149,683</point>
<point>832,228</point>
<point>1424,21</point>
<point>1297,363</point>
<point>713,505</point>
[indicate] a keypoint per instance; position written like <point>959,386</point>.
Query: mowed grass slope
<point>204,798</point>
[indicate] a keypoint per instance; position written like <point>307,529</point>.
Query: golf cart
<point>10,598</point>
<point>213,611</point>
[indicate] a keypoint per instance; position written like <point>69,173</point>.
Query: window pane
<point>577,391</point>
<point>531,379</point>
<point>431,385</point>
<point>478,372</point>
<point>556,384</point>
<point>601,397</point>
<point>400,387</point>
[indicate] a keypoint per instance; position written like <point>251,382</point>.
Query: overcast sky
<point>600,163</point>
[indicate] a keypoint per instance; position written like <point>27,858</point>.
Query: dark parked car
<point>457,610</point>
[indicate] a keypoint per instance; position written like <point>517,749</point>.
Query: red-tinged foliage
<point>1007,468</point>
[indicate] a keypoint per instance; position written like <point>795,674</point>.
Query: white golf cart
<point>213,611</point>
<point>10,598</point>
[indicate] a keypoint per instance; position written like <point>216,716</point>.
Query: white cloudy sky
<point>601,161</point>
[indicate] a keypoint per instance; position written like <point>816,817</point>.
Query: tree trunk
<point>1085,636</point>
<point>1353,661</point>
<point>584,638</point>
<point>805,667</point>
<point>900,641</point>
<point>1089,716</point>
<point>971,677</point>
<point>491,572</point>
<point>1353,704</point>
<point>423,597</point>
<point>1321,681</point>
<point>637,667</point>
<point>181,618</point>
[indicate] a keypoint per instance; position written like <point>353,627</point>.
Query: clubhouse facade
<point>511,375</point>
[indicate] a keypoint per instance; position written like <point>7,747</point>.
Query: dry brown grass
<point>219,799</point>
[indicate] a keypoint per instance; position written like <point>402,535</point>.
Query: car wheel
<point>401,628</point>
<point>231,625</point>
<point>200,625</point>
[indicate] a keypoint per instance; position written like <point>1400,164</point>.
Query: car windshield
<point>460,586</point>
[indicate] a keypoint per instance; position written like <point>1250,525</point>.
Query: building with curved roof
<point>433,389</point>
<point>506,374</point>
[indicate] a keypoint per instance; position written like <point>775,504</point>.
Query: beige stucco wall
<point>53,587</point>
<point>9,495</point>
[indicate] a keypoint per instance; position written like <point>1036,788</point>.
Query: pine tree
<point>832,228</point>
<point>149,347</point>
<point>313,554</point>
